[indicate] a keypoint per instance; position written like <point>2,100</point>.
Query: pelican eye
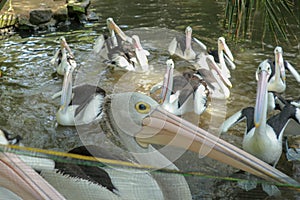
<point>142,107</point>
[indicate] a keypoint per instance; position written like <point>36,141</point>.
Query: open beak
<point>213,65</point>
<point>261,98</point>
<point>22,180</point>
<point>164,128</point>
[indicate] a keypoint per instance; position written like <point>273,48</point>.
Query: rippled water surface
<point>29,80</point>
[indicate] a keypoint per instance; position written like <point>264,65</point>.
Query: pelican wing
<point>99,44</point>
<point>202,46</point>
<point>292,128</point>
<point>292,70</point>
<point>92,173</point>
<point>238,117</point>
<point>184,95</point>
<point>286,121</point>
<point>156,87</point>
<point>177,46</point>
<point>179,82</point>
<point>83,95</point>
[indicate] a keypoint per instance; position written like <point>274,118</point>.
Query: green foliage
<point>243,17</point>
<point>2,3</point>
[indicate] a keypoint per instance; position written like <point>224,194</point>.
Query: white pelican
<point>63,57</point>
<point>263,138</point>
<point>222,58</point>
<point>277,79</point>
<point>135,121</point>
<point>80,104</point>
<point>287,65</point>
<point>182,46</point>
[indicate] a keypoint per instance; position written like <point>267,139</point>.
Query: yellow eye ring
<point>142,107</point>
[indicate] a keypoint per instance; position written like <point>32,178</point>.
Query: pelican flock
<point>138,124</point>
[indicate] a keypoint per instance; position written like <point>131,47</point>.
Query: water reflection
<point>29,80</point>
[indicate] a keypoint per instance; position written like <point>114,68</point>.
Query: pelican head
<point>64,45</point>
<point>279,57</point>
<point>112,26</point>
<point>222,46</point>
<point>140,121</point>
<point>278,50</point>
<point>262,75</point>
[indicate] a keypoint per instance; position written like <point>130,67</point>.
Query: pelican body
<point>263,138</point>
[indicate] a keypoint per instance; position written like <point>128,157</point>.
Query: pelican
<point>136,121</point>
<point>222,58</point>
<point>182,46</point>
<point>277,80</point>
<point>123,51</point>
<point>263,138</point>
<point>80,104</point>
<point>63,57</point>
<point>184,93</point>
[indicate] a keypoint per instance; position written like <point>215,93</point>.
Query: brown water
<point>29,80</point>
